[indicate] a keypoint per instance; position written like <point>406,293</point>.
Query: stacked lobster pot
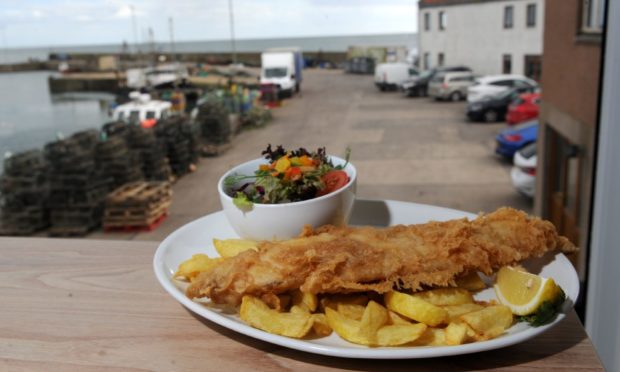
<point>24,189</point>
<point>117,162</point>
<point>77,186</point>
<point>214,122</point>
<point>181,143</point>
<point>151,153</point>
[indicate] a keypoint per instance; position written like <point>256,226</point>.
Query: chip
<point>190,269</point>
<point>490,321</point>
<point>232,247</point>
<point>257,314</point>
<point>415,308</point>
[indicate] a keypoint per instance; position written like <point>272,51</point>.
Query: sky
<point>34,23</point>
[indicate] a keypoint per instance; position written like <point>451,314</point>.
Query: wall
<point>572,83</point>
<point>475,35</point>
<point>569,106</point>
<point>603,303</point>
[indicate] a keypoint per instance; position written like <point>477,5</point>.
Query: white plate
<point>196,237</point>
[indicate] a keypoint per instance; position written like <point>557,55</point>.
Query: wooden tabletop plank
<point>96,305</point>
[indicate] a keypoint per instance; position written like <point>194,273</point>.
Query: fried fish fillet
<point>354,259</point>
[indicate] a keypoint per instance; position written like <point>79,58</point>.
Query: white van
<point>282,67</point>
<point>392,75</point>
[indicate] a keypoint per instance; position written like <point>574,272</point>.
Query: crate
<point>137,205</point>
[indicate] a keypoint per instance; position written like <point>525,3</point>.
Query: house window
<point>508,16</point>
<point>533,66</point>
<point>440,59</point>
<point>593,16</point>
<point>427,60</point>
<point>427,21</point>
<point>531,15</point>
<point>443,20</point>
<point>506,64</point>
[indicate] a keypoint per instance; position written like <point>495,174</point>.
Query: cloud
<point>109,21</point>
<point>37,14</point>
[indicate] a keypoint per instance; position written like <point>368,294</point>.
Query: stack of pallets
<point>77,187</point>
<point>181,143</point>
<point>137,206</point>
<point>24,190</point>
<point>152,153</point>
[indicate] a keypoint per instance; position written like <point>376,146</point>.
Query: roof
<point>491,78</point>
<point>442,3</point>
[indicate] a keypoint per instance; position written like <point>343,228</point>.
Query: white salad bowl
<point>286,220</point>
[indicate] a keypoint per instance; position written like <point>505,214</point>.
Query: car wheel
<point>456,96</point>
<point>490,116</point>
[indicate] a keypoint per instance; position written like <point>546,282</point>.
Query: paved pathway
<point>411,149</point>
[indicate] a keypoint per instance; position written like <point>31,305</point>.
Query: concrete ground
<point>411,149</point>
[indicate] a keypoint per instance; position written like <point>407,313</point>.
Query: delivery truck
<point>282,67</point>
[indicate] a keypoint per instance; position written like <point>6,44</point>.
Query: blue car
<point>514,138</point>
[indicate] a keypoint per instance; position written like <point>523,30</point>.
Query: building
<point>489,36</point>
<point>568,118</point>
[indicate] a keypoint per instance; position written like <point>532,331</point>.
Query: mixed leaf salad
<point>289,176</point>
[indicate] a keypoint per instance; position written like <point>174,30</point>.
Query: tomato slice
<point>333,180</point>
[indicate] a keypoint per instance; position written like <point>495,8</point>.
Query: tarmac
<point>409,149</point>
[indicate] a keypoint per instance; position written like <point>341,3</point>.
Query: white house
<point>489,36</point>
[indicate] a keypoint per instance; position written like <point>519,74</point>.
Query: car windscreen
<point>438,78</point>
<point>275,72</point>
<point>506,94</point>
<point>134,116</point>
<point>529,150</point>
<point>426,74</point>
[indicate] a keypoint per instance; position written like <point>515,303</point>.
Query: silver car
<point>450,85</point>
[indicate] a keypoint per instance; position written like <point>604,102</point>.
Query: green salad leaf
<point>241,201</point>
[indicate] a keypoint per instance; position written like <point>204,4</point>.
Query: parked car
<point>489,85</point>
<point>389,76</point>
<point>524,108</point>
<point>493,107</point>
<point>450,85</point>
<point>523,173</point>
<point>514,138</point>
<point>419,86</point>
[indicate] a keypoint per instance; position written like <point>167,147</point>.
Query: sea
<point>30,116</point>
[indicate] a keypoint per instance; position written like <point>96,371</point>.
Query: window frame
<point>506,61</point>
<point>509,22</point>
<point>530,18</point>
<point>427,21</point>
<point>592,11</point>
<point>442,20</point>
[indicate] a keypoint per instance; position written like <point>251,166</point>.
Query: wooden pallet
<point>138,193</point>
<point>136,214</point>
<point>137,206</point>
<point>134,228</point>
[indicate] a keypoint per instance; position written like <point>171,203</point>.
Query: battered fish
<point>355,259</point>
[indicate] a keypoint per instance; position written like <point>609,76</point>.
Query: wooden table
<point>94,305</point>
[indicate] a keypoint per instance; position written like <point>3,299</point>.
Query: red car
<point>523,108</point>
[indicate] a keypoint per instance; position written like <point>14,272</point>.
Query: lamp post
<point>232,31</point>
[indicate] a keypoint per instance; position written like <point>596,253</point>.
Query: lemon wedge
<point>525,293</point>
